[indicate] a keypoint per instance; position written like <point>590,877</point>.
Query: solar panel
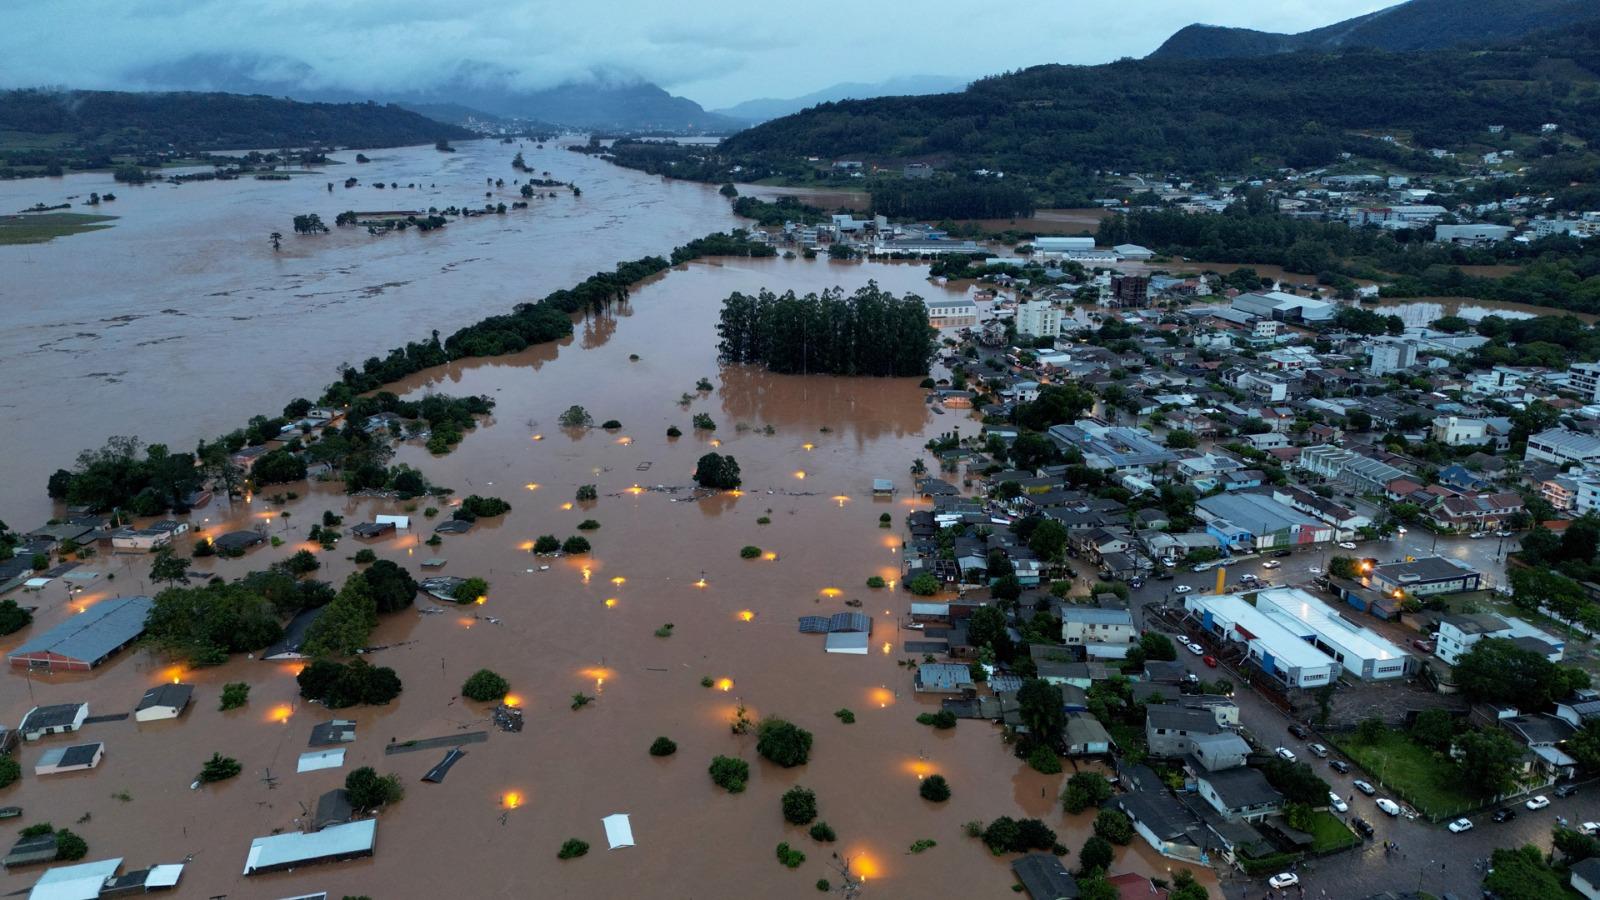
<point>813,625</point>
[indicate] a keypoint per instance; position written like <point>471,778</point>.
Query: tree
<point>1042,710</point>
<point>663,746</point>
<point>729,773</point>
<point>1002,835</point>
<point>799,806</point>
<point>1487,761</point>
<point>576,417</point>
<point>391,587</point>
<point>1344,567</point>
<point>485,686</point>
<point>987,628</point>
<point>716,471</point>
<point>13,618</point>
<point>1370,731</point>
<point>368,790</point>
<point>924,585</point>
<point>10,771</point>
<point>728,190</point>
<point>1114,826</point>
<point>166,568</point>
<point>69,846</point>
<point>935,788</point>
<point>1496,670</point>
<point>1434,729</point>
<point>1296,782</point>
<point>783,742</point>
<point>572,848</point>
<point>346,623</point>
<point>1096,855</point>
<point>577,544</point>
<point>303,562</point>
<point>1521,874</point>
<point>1533,588</point>
<point>1178,439</point>
<point>1584,745</point>
<point>1184,887</point>
<point>1048,540</point>
<point>203,625</point>
<point>276,239</point>
<point>1157,646</point>
<point>1083,790</point>
<point>219,768</point>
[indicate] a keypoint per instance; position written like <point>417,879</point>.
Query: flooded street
<point>180,322</point>
<point>808,447</point>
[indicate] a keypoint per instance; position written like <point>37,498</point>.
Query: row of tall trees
<point>870,332</point>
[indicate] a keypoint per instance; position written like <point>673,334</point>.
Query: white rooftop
<point>294,847</point>
<point>1314,614</point>
<point>80,882</point>
<point>1284,644</point>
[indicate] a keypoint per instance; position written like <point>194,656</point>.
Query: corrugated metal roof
<point>293,847</point>
<point>94,633</point>
<point>79,882</point>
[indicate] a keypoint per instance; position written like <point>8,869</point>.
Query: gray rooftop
<point>173,695</point>
<point>1180,718</point>
<point>1428,568</point>
<point>1094,615</point>
<point>94,634</point>
<point>1242,787</point>
<point>50,716</point>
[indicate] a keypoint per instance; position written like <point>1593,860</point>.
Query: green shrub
<point>546,543</point>
<point>366,555</point>
<point>1044,760</point>
<point>799,806</point>
<point>764,520</point>
<point>1114,826</point>
<point>663,746</point>
<point>235,694</point>
<point>941,720</point>
<point>935,788</point>
<point>587,492</point>
<point>611,424</point>
<point>876,581</point>
<point>10,771</point>
<point>729,773</point>
<point>790,857</point>
<point>783,742</point>
<point>484,686</point>
<point>575,545</point>
<point>664,631</point>
<point>369,790</point>
<point>673,431</point>
<point>588,525</point>
<point>219,768</point>
<point>572,847</point>
<point>706,681</point>
<point>845,716</point>
<point>749,552</point>
<point>69,846</point>
<point>924,844</point>
<point>924,585</point>
<point>823,833</point>
<point>703,422</point>
<point>822,883</point>
<point>1084,790</point>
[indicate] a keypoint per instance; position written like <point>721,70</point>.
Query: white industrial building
<point>1362,651</point>
<point>1562,446</point>
<point>1272,646</point>
<point>1043,244</point>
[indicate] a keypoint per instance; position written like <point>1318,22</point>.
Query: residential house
<point>1043,877</point>
<point>61,718</point>
<point>943,678</point>
<point>1240,794</point>
<point>1428,575</point>
<point>164,701</point>
<point>1085,736</point>
<point>1586,877</point>
<point>1170,730</point>
<point>1089,625</point>
<point>1224,750</point>
<point>1472,512</point>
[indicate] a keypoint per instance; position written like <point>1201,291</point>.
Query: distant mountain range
<point>607,101</point>
<point>909,85</point>
<point>1414,25</point>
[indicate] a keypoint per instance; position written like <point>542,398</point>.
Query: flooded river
<point>181,322</point>
<point>809,448</point>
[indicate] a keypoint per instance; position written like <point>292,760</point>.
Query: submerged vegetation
<point>870,332</point>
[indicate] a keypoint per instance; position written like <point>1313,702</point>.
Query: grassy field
<point>40,227</point>
<point>1330,833</point>
<point>1411,773</point>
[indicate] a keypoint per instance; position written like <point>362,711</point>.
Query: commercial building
<point>86,640</point>
<point>1043,244</point>
<point>1459,632</point>
<point>294,849</point>
<point>1585,379</point>
<point>1275,649</point>
<point>1247,521</point>
<point>1391,355</point>
<point>1348,467</point>
<point>1428,575</point>
<point>1471,235</point>
<point>1562,446</point>
<point>1112,448</point>
<point>951,312</point>
<point>1284,307</point>
<point>1091,625</point>
<point>1456,431</point>
<point>1361,651</point>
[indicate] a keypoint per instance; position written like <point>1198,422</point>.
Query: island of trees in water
<point>870,332</point>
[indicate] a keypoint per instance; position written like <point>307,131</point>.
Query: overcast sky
<point>716,52</point>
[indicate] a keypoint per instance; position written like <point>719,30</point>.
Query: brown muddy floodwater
<point>180,322</point>
<point>587,624</point>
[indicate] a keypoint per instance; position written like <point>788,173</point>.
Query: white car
<point>1589,828</point>
<point>1539,802</point>
<point>1347,545</point>
<point>1400,529</point>
<point>1271,564</point>
<point>1477,536</point>
<point>1284,753</point>
<point>1460,825</point>
<point>1182,589</point>
<point>1196,649</point>
<point>1314,570</point>
<point>1283,880</point>
<point>1388,806</point>
<point>1364,787</point>
<point>1337,802</point>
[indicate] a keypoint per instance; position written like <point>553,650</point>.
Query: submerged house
<point>293,849</point>
<point>88,639</point>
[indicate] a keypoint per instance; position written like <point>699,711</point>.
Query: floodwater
<point>662,558</point>
<point>180,322</point>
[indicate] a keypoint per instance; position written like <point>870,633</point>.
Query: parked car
<point>1209,660</point>
<point>1319,751</point>
<point>1362,825</point>
<point>1478,535</point>
<point>1460,825</point>
<point>1504,814</point>
<point>1388,806</point>
<point>1182,589</point>
<point>1364,787</point>
<point>1136,583</point>
<point>1337,802</point>
<point>1566,790</point>
<point>1282,554</point>
<point>1539,802</point>
<point>1347,545</point>
<point>1399,529</point>
<point>1340,766</point>
<point>1196,649</point>
<point>1271,564</point>
<point>1589,828</point>
<point>1283,880</point>
<point>1503,534</point>
<point>1299,731</point>
<point>1424,645</point>
<point>1284,753</point>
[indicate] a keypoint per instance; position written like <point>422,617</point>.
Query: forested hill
<point>1414,25</point>
<point>1156,115</point>
<point>113,121</point>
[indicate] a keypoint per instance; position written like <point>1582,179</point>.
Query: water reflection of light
<point>831,592</point>
<point>624,441</point>
<point>716,442</point>
<point>619,580</point>
<point>918,767</point>
<point>512,700</point>
<point>808,446</point>
<point>636,490</point>
<point>280,713</point>
<point>887,647</point>
<point>611,602</point>
<point>736,493</point>
<point>746,615</point>
<point>724,684</point>
<point>481,600</point>
<point>800,474</point>
<point>587,573</point>
<point>881,696</point>
<point>532,486</point>
<point>538,437</point>
<point>864,865</point>
<point>511,800</point>
<point>701,583</point>
<point>840,499</point>
<point>769,556</point>
<point>525,546</point>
